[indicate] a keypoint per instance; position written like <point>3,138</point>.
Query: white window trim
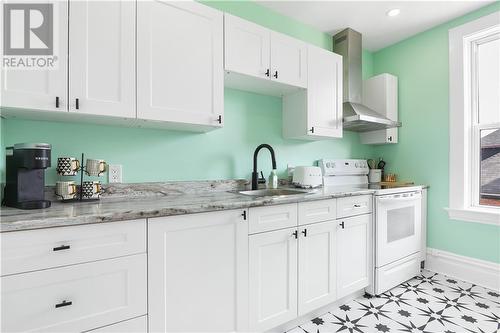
<point>461,39</point>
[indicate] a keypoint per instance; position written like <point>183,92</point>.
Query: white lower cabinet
<point>75,298</point>
<point>273,278</point>
<point>198,272</point>
<point>353,254</point>
<point>316,285</point>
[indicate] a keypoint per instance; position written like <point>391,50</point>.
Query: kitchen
<point>174,141</point>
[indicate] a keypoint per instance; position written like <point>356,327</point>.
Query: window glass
<point>489,193</point>
<point>489,81</point>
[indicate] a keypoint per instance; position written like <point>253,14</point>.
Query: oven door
<point>397,226</point>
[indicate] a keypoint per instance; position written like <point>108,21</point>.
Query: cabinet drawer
<point>31,250</point>
<point>350,206</point>
<point>75,298</point>
<point>317,211</point>
<point>136,325</point>
<point>272,218</point>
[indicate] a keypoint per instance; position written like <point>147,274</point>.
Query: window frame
<point>464,162</point>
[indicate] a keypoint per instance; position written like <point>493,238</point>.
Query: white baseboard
<point>480,272</point>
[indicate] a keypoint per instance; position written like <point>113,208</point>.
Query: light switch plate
<point>115,173</point>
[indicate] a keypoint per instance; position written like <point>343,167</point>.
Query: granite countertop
<point>128,205</point>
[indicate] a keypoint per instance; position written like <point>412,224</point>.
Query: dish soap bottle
<point>273,179</point>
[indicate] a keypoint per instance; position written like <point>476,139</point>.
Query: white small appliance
<point>307,176</point>
<point>397,223</point>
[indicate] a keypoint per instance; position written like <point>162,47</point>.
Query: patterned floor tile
<point>429,303</point>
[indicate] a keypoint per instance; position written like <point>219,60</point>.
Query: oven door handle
<point>400,198</point>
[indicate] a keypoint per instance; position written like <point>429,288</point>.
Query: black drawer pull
<point>295,234</point>
<point>342,225</point>
<point>304,232</point>
<point>57,101</point>
<point>62,247</point>
<point>357,206</point>
<point>64,303</point>
<point>77,103</point>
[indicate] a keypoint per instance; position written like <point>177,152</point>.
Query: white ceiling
<point>369,17</point>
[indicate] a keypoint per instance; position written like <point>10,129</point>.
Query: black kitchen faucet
<point>255,174</point>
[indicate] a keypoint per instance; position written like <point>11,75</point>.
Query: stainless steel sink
<point>277,192</point>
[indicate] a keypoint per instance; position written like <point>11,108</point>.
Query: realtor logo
<point>28,36</point>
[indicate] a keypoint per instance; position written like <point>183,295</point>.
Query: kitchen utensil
<point>372,164</point>
<point>381,164</point>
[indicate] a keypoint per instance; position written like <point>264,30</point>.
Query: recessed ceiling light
<point>393,12</point>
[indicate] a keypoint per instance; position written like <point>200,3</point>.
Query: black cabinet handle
<point>357,206</point>
<point>295,234</point>
<point>57,101</point>
<point>77,103</point>
<point>390,138</point>
<point>311,130</point>
<point>304,232</point>
<point>63,303</point>
<point>219,119</point>
<point>244,214</point>
<point>62,247</point>
<point>342,225</point>
<point>276,74</point>
<point>268,72</point>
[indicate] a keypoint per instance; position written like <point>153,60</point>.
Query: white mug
<point>66,190</point>
<point>95,167</point>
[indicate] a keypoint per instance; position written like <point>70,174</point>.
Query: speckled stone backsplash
<point>161,189</point>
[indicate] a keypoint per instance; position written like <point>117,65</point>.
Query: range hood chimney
<point>357,117</point>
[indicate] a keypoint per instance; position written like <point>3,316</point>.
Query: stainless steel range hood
<point>357,117</point>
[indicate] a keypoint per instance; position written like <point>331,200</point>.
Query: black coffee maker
<point>25,177</point>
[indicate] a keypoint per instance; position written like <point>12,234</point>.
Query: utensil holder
<point>375,175</point>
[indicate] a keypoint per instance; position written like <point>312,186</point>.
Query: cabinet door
<point>102,54</point>
<point>246,47</point>
<point>288,60</point>
<point>136,325</point>
<point>316,265</point>
<point>324,93</point>
<point>273,279</point>
<point>353,254</point>
<point>180,75</point>
<point>39,89</point>
<point>198,272</point>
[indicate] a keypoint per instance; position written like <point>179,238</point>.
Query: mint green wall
<point>159,155</point>
<point>421,64</point>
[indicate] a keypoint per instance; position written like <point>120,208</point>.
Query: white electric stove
<point>397,221</point>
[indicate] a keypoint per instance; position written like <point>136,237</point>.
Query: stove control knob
<point>356,165</point>
<point>328,164</point>
<point>333,164</point>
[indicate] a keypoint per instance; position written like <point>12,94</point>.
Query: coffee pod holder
<point>79,188</point>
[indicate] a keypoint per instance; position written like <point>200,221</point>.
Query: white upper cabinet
<point>102,58</point>
<point>288,60</point>
<point>40,89</point>
<point>380,93</point>
<point>246,47</point>
<point>180,75</point>
<point>258,52</point>
<point>198,272</point>
<point>316,113</point>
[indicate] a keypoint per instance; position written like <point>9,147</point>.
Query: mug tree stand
<point>79,189</point>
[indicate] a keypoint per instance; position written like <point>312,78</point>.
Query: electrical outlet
<point>114,173</point>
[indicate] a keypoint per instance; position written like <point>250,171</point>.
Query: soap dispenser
<point>273,179</point>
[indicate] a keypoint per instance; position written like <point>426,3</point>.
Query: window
<point>475,121</point>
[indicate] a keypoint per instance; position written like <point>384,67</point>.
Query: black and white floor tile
<point>429,303</point>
